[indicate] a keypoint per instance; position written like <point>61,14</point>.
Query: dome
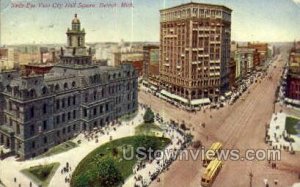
<point>75,20</point>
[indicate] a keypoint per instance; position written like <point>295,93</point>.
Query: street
<point>238,126</point>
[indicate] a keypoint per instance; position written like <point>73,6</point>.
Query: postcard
<point>161,93</point>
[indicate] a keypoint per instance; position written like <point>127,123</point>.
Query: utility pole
<point>0,23</point>
<point>250,177</point>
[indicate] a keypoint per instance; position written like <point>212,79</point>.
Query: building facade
<point>151,64</point>
<point>41,111</point>
<point>232,73</point>
<point>246,60</point>
<point>130,57</point>
<point>195,50</point>
<point>262,49</point>
<point>293,75</point>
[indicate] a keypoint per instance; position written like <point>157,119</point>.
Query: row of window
<point>58,134</point>
<point>65,117</point>
<point>65,102</point>
<point>96,110</point>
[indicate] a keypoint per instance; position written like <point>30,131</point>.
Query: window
<point>69,128</point>
<point>18,129</point>
<point>66,86</point>
<point>45,140</point>
<point>74,114</point>
<point>33,144</point>
<point>63,118</point>
<point>57,87</point>
<point>45,125</point>
<point>45,108</point>
<point>84,112</point>
<point>95,111</point>
<point>63,103</point>
<point>95,95</point>
<point>74,100</point>
<point>31,129</point>
<point>74,127</point>
<point>9,105</point>
<point>57,104</point>
<point>69,115</point>
<point>86,97</point>
<point>31,112</point>
<point>57,119</point>
<point>44,90</point>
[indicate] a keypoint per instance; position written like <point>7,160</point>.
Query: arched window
<point>66,86</point>
<point>32,93</point>
<point>16,92</point>
<point>44,90</point>
<point>8,88</point>
<point>57,87</point>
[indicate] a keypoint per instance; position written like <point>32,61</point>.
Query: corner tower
<point>76,52</point>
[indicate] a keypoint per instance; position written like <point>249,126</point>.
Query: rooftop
<point>197,4</point>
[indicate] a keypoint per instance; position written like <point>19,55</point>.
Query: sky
<point>252,20</point>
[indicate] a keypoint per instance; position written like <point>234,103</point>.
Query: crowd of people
<point>66,171</point>
<point>146,171</point>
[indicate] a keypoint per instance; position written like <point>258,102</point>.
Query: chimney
<point>42,57</point>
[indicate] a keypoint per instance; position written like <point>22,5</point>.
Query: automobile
<point>213,106</point>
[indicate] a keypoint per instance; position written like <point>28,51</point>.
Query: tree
<point>147,143</point>
<point>149,116</point>
<point>108,173</point>
<point>114,151</point>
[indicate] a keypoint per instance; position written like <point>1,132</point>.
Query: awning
<point>227,94</point>
<point>203,101</point>
<point>168,94</point>
<point>145,82</point>
<point>153,88</point>
<point>292,101</point>
<point>154,83</point>
<point>174,96</point>
<point>180,98</point>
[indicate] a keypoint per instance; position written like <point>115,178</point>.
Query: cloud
<point>296,1</point>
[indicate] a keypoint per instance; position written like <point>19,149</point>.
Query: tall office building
<point>194,51</point>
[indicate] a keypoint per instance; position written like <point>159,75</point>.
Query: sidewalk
<point>10,168</point>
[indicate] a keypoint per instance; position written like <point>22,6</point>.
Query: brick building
<point>151,64</point>
<point>194,51</point>
<point>293,76</point>
<point>262,49</point>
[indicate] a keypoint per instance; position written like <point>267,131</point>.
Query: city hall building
<point>39,111</point>
<point>194,52</point>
